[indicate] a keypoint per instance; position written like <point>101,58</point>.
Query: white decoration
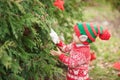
<point>54,36</point>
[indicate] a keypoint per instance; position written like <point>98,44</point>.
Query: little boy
<point>79,50</point>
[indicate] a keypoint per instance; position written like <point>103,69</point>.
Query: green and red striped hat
<point>91,31</point>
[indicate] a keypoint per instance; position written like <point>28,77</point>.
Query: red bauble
<point>116,66</point>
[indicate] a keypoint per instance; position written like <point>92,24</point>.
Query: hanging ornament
<point>59,4</point>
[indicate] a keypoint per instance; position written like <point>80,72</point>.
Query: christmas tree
<point>25,43</point>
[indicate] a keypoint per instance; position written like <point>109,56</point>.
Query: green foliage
<point>24,37</point>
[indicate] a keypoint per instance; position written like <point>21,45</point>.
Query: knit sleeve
<point>64,47</point>
<point>72,62</point>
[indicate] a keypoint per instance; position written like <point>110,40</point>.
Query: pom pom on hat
<point>105,35</point>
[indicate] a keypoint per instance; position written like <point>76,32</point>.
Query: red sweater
<point>77,61</point>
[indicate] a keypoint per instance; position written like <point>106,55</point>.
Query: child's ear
<point>83,38</point>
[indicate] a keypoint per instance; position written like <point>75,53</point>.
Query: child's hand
<point>56,53</point>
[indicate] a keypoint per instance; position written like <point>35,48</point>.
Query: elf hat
<point>87,32</point>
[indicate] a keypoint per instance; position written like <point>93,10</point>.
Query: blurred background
<point>25,43</point>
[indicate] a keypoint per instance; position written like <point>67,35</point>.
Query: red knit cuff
<point>60,44</point>
<point>61,57</point>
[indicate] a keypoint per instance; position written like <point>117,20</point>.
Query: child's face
<point>76,39</point>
